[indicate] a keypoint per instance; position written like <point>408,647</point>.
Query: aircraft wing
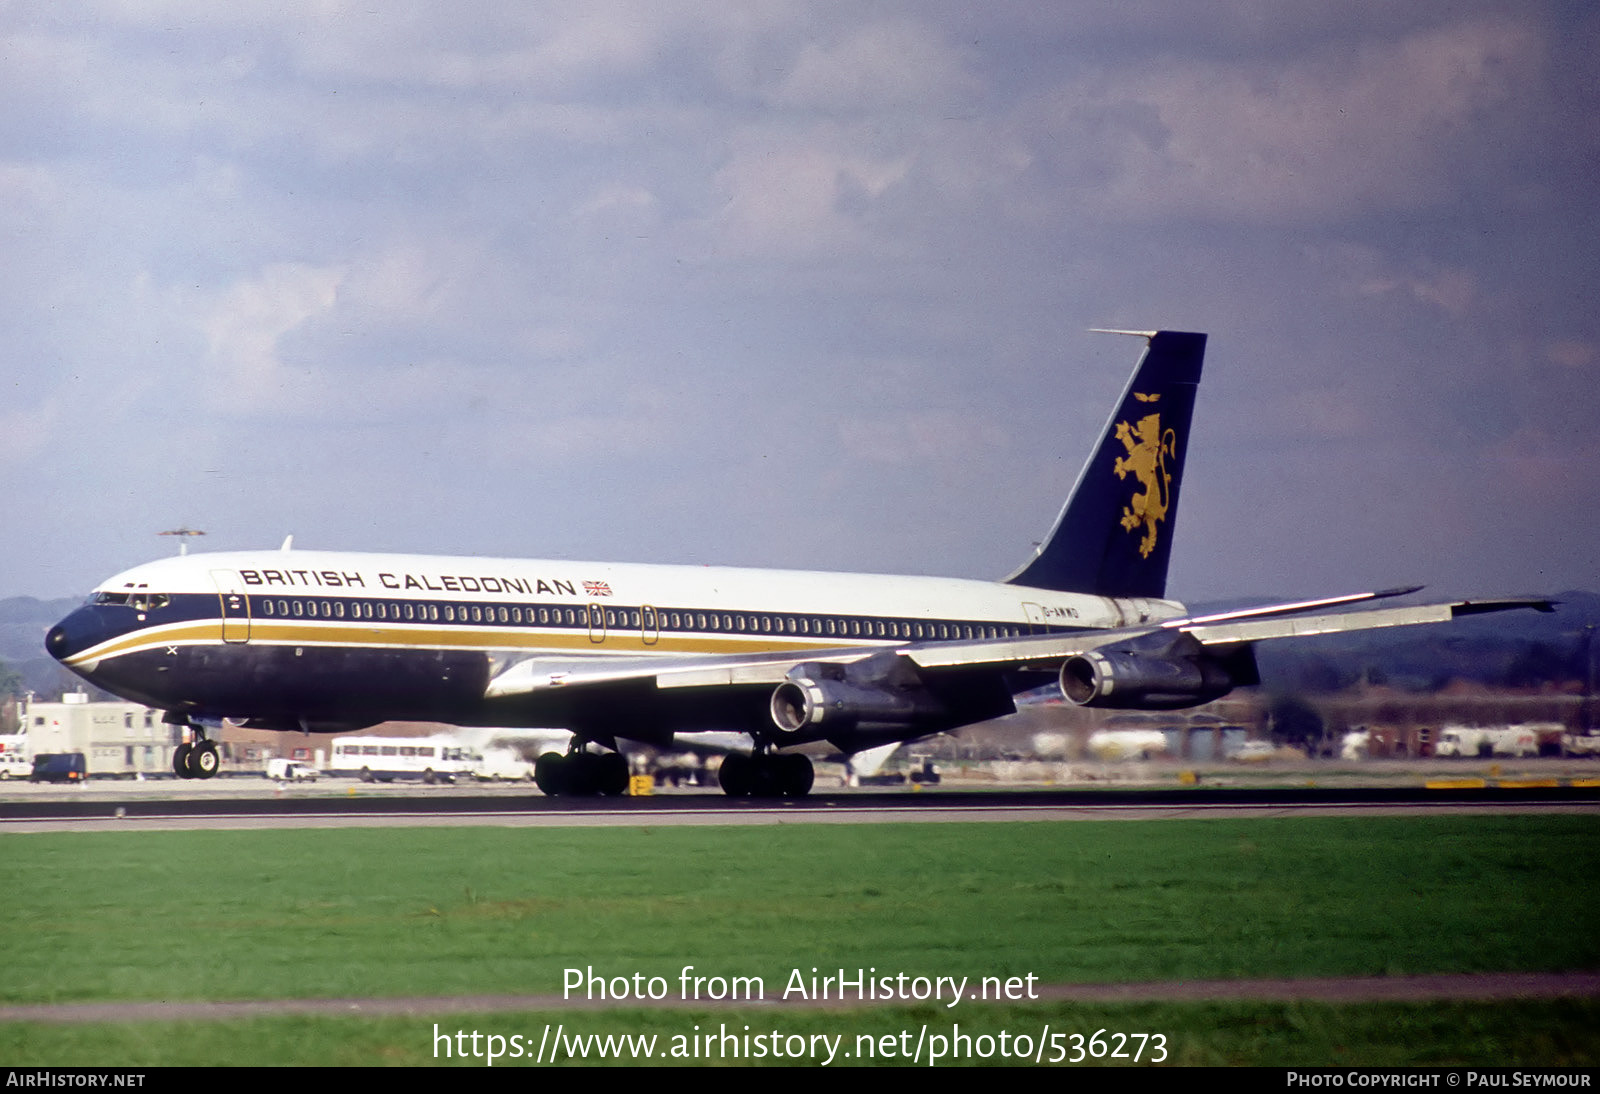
<point>1227,631</point>
<point>1251,625</point>
<point>1044,652</point>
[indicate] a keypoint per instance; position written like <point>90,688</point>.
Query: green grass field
<point>428,912</point>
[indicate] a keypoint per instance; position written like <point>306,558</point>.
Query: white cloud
<point>1572,353</point>
<point>1365,271</point>
<point>245,329</point>
<point>1386,126</point>
<point>620,203</point>
<point>27,432</point>
<point>405,281</point>
<point>879,66</point>
<point>790,196</point>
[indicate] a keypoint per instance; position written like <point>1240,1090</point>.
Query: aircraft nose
<point>55,642</point>
<point>74,634</point>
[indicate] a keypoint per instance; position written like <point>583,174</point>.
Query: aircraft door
<point>597,624</point>
<point>235,606</point>
<point>649,625</point>
<point>1035,614</point>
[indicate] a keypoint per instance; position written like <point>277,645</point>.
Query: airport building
<point>116,739</point>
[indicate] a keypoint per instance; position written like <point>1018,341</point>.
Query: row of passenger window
<point>650,620</point>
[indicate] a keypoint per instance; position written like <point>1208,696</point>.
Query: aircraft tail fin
<point>1114,535</point>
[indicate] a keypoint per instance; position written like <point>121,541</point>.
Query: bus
<point>385,759</point>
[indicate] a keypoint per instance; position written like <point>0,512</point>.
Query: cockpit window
<point>141,600</point>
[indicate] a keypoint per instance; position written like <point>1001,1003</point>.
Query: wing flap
<point>540,674</point>
<point>772,672</point>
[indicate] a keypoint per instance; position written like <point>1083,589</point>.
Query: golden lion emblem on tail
<point>1148,448</point>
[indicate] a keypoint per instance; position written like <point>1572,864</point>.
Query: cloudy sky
<point>799,284</point>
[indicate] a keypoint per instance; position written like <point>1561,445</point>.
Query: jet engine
<point>821,699</point>
<point>1155,672</point>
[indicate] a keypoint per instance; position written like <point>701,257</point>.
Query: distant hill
<point>1514,649</point>
<point>23,623</point>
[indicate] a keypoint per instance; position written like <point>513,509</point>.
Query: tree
<point>10,688</point>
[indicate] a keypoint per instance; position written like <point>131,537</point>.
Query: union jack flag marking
<point>597,588</point>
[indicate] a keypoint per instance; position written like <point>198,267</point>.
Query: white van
<point>502,764</point>
<point>291,771</point>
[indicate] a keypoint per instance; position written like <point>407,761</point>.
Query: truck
<point>1471,741</point>
<point>15,760</point>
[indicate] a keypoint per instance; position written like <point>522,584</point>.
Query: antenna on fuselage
<point>184,533</point>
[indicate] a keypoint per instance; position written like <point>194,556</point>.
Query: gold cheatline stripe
<point>209,632</point>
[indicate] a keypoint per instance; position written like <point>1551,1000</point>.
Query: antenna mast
<point>183,534</point>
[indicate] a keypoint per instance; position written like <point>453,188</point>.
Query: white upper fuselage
<point>711,588</point>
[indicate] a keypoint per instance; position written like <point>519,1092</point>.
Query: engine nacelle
<point>1127,679</point>
<point>826,706</point>
<point>819,699</point>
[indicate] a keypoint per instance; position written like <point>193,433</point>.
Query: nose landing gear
<point>200,760</point>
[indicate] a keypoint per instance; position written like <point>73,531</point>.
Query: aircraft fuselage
<point>327,640</point>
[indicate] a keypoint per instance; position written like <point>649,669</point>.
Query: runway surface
<point>141,808</point>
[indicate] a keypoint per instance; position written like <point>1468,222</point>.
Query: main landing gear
<point>581,774</point>
<point>766,775</point>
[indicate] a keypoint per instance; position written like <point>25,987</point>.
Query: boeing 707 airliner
<point>328,642</point>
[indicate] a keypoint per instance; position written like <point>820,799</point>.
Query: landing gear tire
<point>548,774</point>
<point>735,774</point>
<point>582,774</point>
<point>611,771</point>
<point>798,775</point>
<point>204,760</point>
<point>766,775</point>
<point>180,761</point>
